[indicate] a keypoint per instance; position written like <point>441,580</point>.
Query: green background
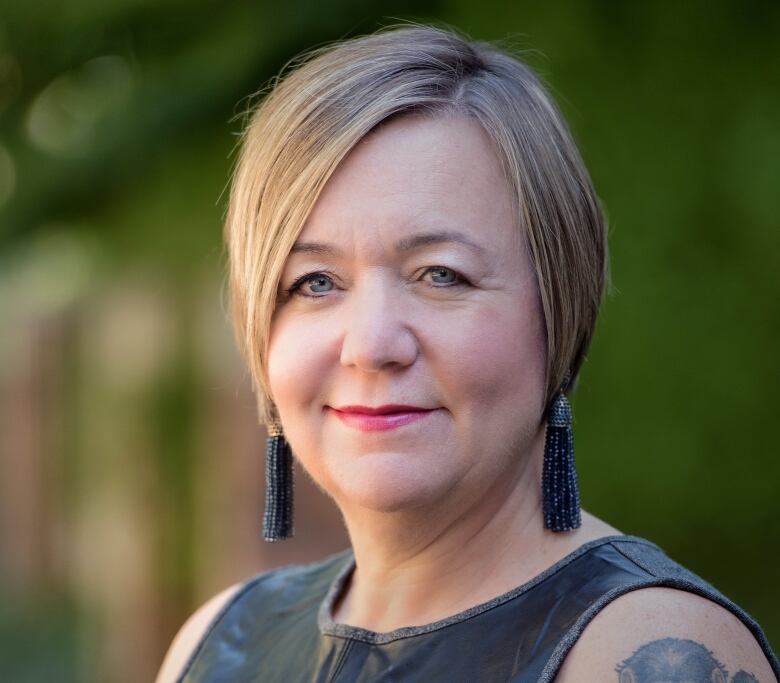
<point>117,128</point>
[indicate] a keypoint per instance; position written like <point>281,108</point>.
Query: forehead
<point>417,173</point>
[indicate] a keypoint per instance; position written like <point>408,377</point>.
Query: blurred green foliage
<point>39,640</point>
<point>117,126</point>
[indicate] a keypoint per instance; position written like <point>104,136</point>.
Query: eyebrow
<point>422,239</point>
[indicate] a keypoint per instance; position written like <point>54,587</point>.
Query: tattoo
<point>676,659</point>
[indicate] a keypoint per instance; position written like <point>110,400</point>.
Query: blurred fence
<point>130,476</point>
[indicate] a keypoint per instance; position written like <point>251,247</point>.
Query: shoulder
<point>660,633</point>
<point>191,633</point>
<point>270,588</point>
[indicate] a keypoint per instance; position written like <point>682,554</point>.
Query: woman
<point>417,260</point>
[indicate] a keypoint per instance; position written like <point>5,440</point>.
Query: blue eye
<point>320,284</point>
<point>446,276</point>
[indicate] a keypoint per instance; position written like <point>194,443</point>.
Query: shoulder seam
<point>616,546</point>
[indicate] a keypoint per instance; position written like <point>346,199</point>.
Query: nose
<point>376,333</point>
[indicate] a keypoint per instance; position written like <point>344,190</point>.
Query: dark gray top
<point>277,626</point>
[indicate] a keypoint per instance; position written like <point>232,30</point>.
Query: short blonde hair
<point>335,95</point>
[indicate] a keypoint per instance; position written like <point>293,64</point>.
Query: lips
<point>381,418</point>
<point>380,410</point>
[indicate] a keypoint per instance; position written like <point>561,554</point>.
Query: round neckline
<point>329,627</point>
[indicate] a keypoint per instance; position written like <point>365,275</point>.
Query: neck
<point>418,566</point>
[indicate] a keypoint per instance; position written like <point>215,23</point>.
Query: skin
<point>670,660</point>
<point>665,635</point>
<point>445,512</point>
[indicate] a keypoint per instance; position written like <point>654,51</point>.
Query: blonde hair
<point>334,95</point>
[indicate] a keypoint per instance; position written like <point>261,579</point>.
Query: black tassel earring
<point>277,520</point>
<point>560,494</point>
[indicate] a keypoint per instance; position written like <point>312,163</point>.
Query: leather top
<point>277,627</point>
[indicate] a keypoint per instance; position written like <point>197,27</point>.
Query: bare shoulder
<point>190,634</point>
<point>665,634</point>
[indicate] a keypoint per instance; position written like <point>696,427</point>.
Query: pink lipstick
<point>382,418</point>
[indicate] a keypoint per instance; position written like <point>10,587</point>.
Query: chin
<point>390,485</point>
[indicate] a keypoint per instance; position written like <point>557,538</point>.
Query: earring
<point>560,494</point>
<point>277,520</point>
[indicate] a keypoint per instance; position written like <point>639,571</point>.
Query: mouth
<point>381,418</point>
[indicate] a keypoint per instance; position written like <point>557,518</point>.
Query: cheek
<point>280,367</point>
<point>297,374</point>
<point>499,361</point>
<point>297,359</point>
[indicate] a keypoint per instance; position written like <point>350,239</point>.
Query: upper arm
<point>191,634</point>
<point>665,634</point>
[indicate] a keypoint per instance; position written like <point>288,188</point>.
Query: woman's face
<point>411,285</point>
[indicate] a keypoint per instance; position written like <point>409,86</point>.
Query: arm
<point>655,634</point>
<point>191,634</point>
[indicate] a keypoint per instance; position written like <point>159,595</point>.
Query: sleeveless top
<point>277,626</point>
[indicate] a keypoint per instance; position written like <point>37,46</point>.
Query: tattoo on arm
<point>744,677</point>
<point>676,659</point>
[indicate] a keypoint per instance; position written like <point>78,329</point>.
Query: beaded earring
<point>560,494</point>
<point>278,517</point>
